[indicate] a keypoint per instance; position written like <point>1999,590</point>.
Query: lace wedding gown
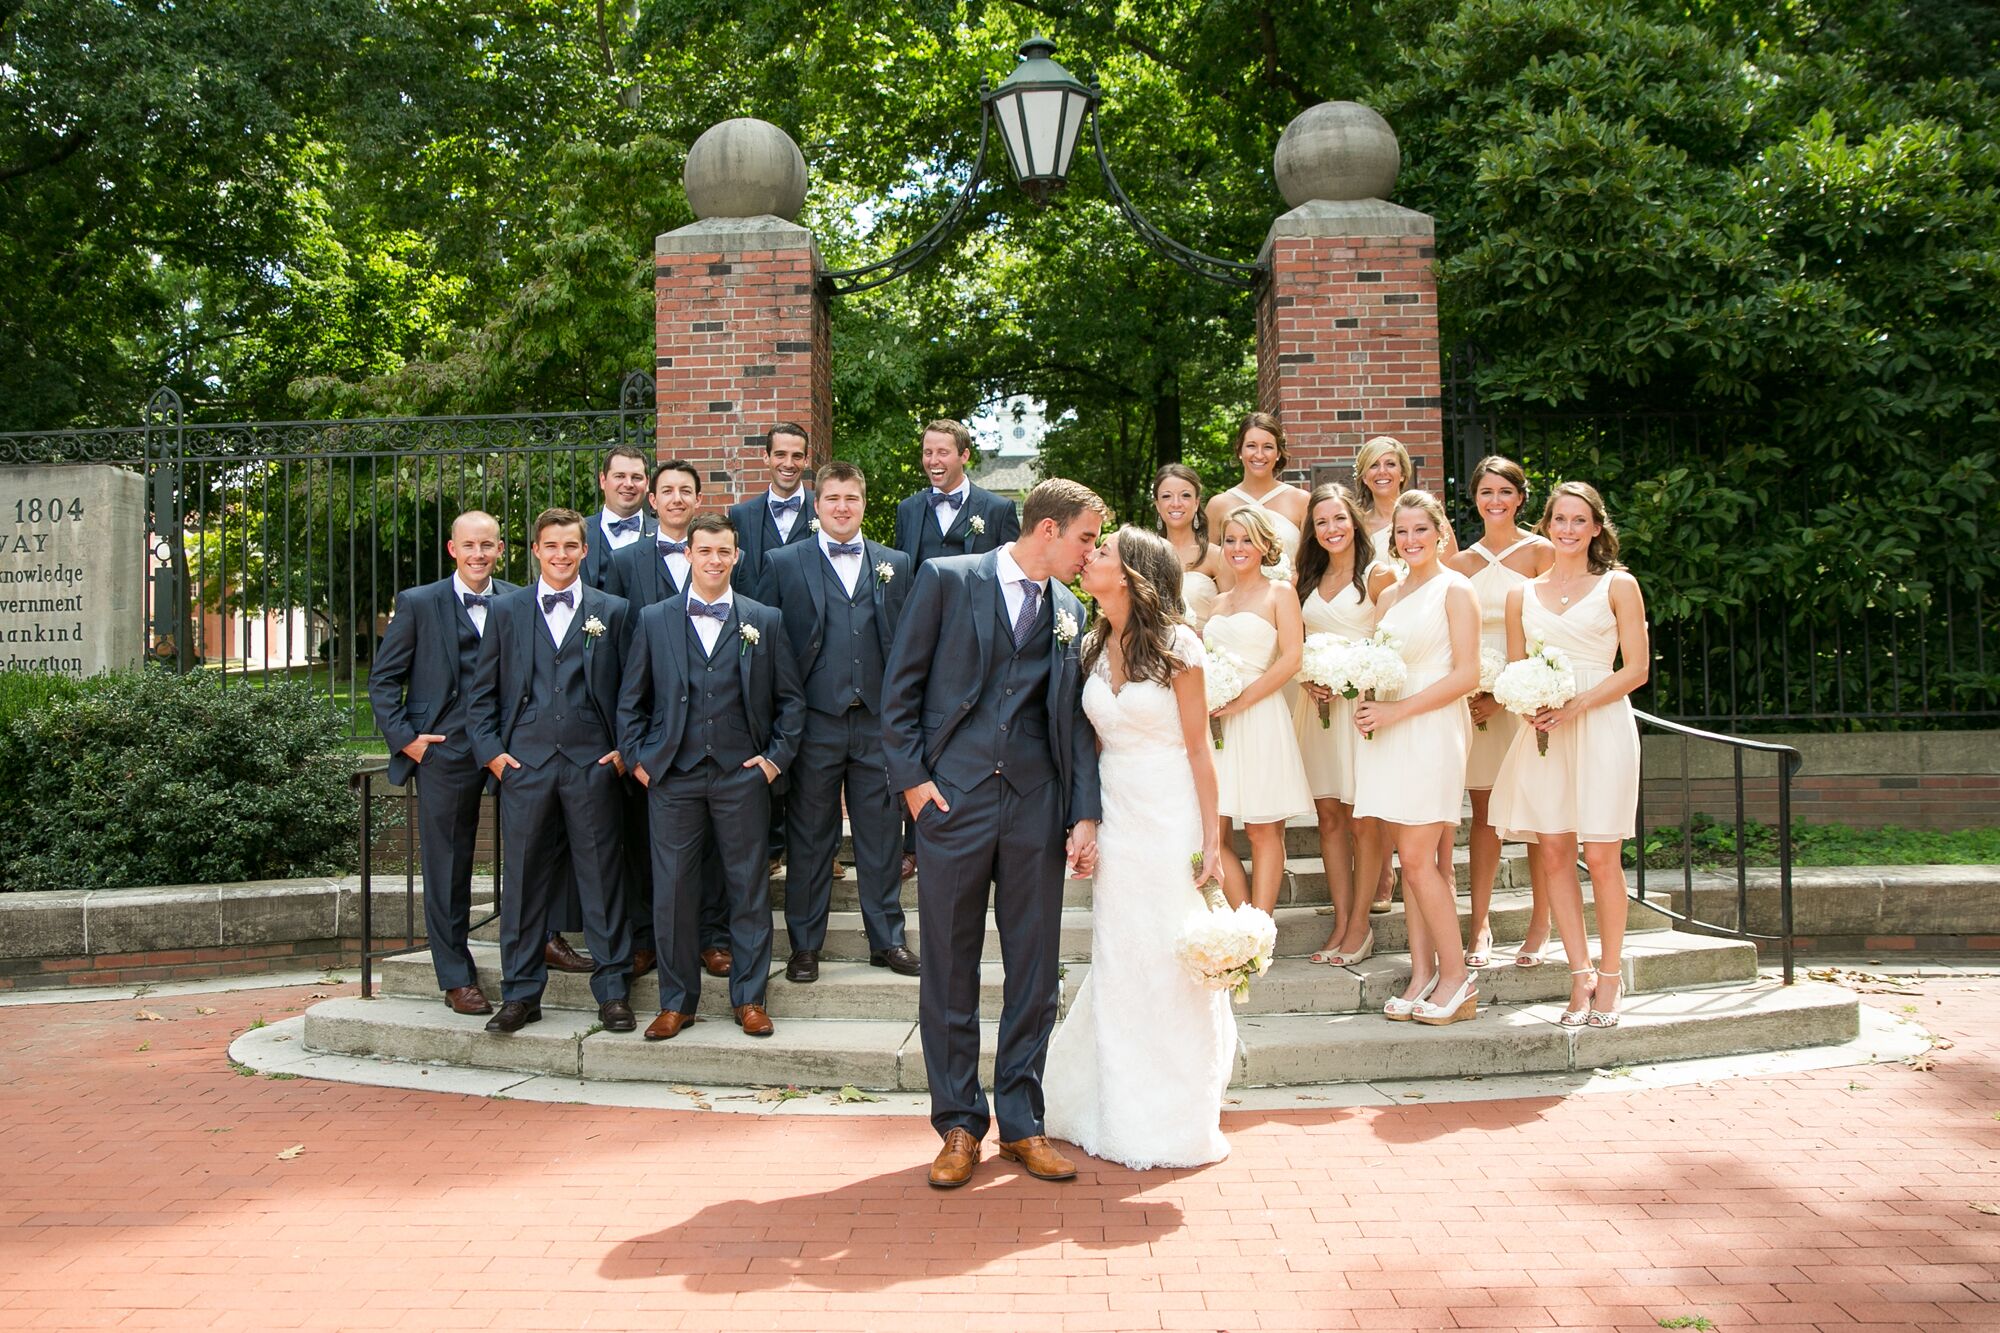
<point>1136,1072</point>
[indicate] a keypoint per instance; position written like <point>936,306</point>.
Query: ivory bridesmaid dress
<point>1258,775</point>
<point>1492,583</point>
<point>1198,593</point>
<point>1414,771</point>
<point>1328,752</point>
<point>1588,782</point>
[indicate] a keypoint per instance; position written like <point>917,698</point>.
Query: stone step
<point>1301,839</point>
<point>1274,1049</point>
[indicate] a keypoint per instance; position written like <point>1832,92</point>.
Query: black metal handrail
<point>1788,762</point>
<point>363,785</point>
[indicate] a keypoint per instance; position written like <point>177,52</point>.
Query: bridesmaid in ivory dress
<point>1260,447</point>
<point>1259,779</point>
<point>1585,790</point>
<point>1504,557</point>
<point>1177,501</point>
<point>1411,774</point>
<point>1337,586</point>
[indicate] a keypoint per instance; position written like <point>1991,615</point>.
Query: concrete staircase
<point>1686,995</point>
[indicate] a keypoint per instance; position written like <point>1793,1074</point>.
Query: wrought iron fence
<point>1776,660</point>
<point>277,547</point>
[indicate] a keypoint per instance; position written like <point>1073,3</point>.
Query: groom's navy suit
<point>691,718</point>
<point>1000,728</point>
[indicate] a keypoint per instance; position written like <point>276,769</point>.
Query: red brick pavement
<point>143,1188</point>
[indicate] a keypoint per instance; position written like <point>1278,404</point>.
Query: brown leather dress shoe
<point>616,1015</point>
<point>561,955</point>
<point>898,960</point>
<point>909,865</point>
<point>753,1020</point>
<point>667,1024</point>
<point>953,1165</point>
<point>468,1000</point>
<point>716,962</point>
<point>1039,1158</point>
<point>803,967</point>
<point>644,961</point>
<point>514,1015</point>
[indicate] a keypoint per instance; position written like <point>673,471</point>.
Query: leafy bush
<point>155,778</point>
<point>1712,845</point>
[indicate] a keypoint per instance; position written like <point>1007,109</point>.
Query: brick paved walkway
<point>144,1187</point>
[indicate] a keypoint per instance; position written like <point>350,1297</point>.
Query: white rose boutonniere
<point>1065,627</point>
<point>884,570</point>
<point>593,627</point>
<point>749,635</point>
<point>977,524</point>
<point>814,525</point>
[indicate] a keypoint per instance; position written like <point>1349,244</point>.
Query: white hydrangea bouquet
<point>1491,663</point>
<point>1373,668</point>
<point>1542,679</point>
<point>1226,676</point>
<point>1323,664</point>
<point>1223,948</point>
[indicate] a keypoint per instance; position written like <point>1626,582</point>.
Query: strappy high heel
<point>1604,1018</point>
<point>1335,958</point>
<point>1574,1018</point>
<point>1463,1004</point>
<point>1399,1010</point>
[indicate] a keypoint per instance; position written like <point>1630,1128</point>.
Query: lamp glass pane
<point>1072,126</point>
<point>1043,111</point>
<point>1007,115</point>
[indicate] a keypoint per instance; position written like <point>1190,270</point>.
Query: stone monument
<point>72,568</point>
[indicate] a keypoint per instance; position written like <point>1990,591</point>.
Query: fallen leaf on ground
<point>291,1152</point>
<point>1923,1064</point>
<point>686,1091</point>
<point>148,1016</point>
<point>203,1010</point>
<point>1414,1096</point>
<point>1990,1209</point>
<point>850,1093</point>
<point>317,995</point>
<point>783,1094</point>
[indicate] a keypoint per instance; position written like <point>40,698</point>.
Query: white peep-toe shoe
<point>1573,1018</point>
<point>1399,1010</point>
<point>1461,1005</point>
<point>1604,1018</point>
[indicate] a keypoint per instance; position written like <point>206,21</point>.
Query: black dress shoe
<point>804,966</point>
<point>898,960</point>
<point>514,1015</point>
<point>616,1015</point>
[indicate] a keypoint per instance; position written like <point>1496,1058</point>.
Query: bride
<point>1136,1072</point>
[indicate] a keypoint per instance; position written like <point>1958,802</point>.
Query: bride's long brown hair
<point>1153,581</point>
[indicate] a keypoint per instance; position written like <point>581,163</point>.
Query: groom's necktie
<point>1031,592</point>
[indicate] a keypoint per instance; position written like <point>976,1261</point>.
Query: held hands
<point>759,761</point>
<point>926,793</point>
<point>501,763</point>
<point>1080,852</point>
<point>417,748</point>
<point>1483,709</point>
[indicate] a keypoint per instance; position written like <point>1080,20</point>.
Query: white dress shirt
<point>790,518</point>
<point>477,614</point>
<point>708,627</point>
<point>1010,586</point>
<point>677,562</point>
<point>946,515</point>
<point>558,617</point>
<point>847,566</point>
<point>619,540</point>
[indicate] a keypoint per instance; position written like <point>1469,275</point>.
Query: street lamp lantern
<point>1040,110</point>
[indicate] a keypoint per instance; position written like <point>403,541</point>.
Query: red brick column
<point>1347,336</point>
<point>741,340</point>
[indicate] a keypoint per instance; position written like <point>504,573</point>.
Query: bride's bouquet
<point>1371,668</point>
<point>1226,676</point>
<point>1222,947</point>
<point>1542,679</point>
<point>1491,663</point>
<point>1322,664</point>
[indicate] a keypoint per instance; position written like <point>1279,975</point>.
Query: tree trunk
<point>1167,423</point>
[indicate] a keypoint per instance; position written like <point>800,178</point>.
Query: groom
<point>998,766</point>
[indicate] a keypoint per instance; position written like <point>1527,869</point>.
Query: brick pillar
<point>1347,336</point>
<point>741,341</point>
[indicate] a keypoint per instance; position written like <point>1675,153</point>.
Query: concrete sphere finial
<point>1336,151</point>
<point>744,168</point>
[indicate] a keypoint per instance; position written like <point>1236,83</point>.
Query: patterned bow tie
<point>551,600</point>
<point>715,611</point>
<point>952,498</point>
<point>843,548</point>
<point>473,599</point>
<point>668,546</point>
<point>790,506</point>
<point>621,526</point>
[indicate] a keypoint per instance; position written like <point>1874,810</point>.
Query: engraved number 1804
<point>53,510</point>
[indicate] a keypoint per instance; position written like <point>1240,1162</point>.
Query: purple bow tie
<point>715,611</point>
<point>551,600</point>
<point>952,498</point>
<point>668,546</point>
<point>790,506</point>
<point>473,599</point>
<point>843,548</point>
<point>621,526</point>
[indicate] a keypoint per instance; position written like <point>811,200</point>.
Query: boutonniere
<point>884,570</point>
<point>977,524</point>
<point>749,635</point>
<point>1065,627</point>
<point>593,627</point>
<point>814,525</point>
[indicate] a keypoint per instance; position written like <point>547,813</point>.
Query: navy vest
<point>717,727</point>
<point>450,720</point>
<point>1007,731</point>
<point>848,670</point>
<point>930,542</point>
<point>561,718</point>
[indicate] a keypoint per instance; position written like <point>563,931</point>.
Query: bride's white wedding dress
<point>1136,1072</point>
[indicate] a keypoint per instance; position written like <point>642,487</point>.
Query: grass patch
<point>1712,845</point>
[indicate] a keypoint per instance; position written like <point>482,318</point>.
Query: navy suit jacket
<point>1002,520</point>
<point>639,575</point>
<point>503,682</point>
<point>932,682</point>
<point>653,702</point>
<point>757,539</point>
<point>796,578</point>
<point>414,678</point>
<point>597,551</point>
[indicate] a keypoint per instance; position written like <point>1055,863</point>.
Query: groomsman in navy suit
<point>780,517</point>
<point>710,711</point>
<point>645,572</point>
<point>543,711</point>
<point>623,520</point>
<point>841,597</point>
<point>418,685</point>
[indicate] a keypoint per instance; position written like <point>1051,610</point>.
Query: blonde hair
<point>1262,535</point>
<point>1365,457</point>
<point>1426,503</point>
